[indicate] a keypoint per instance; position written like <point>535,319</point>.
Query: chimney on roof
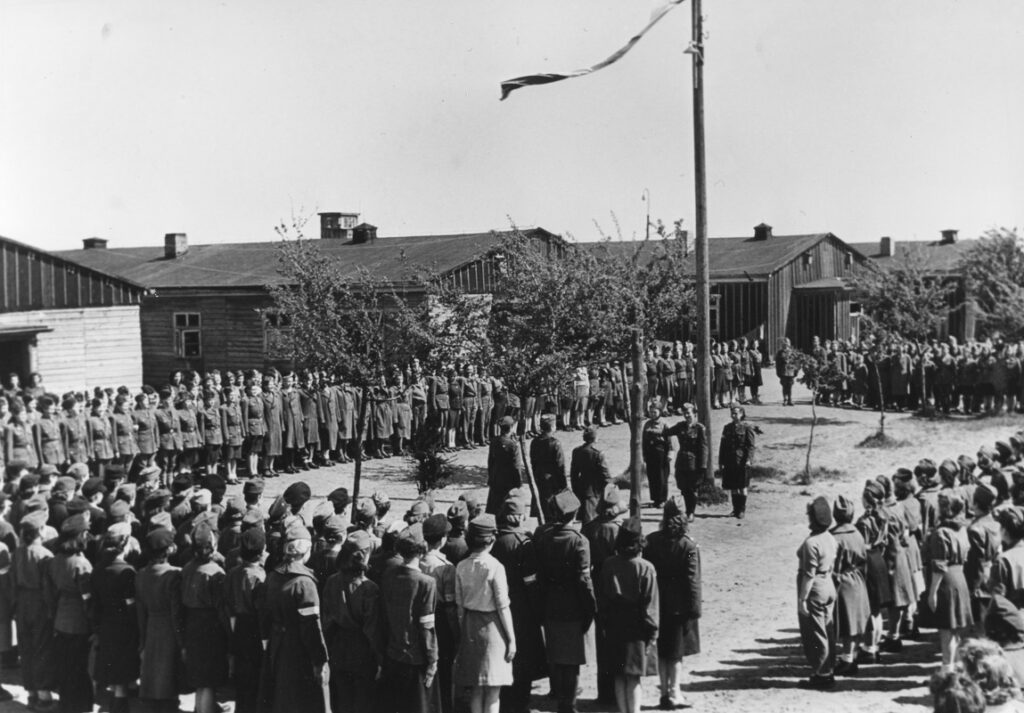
<point>762,231</point>
<point>337,226</point>
<point>364,233</point>
<point>886,247</point>
<point>94,243</point>
<point>949,236</point>
<point>175,245</point>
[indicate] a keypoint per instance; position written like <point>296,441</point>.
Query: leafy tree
<point>993,270</point>
<point>817,376</point>
<point>344,321</point>
<point>904,300</point>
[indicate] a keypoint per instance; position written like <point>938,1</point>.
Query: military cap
<point>820,513</point>
<point>297,494</point>
<point>843,509</point>
<point>589,433</point>
<point>413,533</point>
<point>366,510</point>
<point>436,526</point>
<point>182,482</point>
<point>78,471</point>
<point>253,487</point>
<point>64,484</point>
<point>874,490</point>
<point>120,529</point>
<point>208,518</point>
<point>159,538</point>
<point>47,470</point>
<point>482,525</point>
<point>36,518</point>
<point>119,510</point>
<point>93,486</point>
<point>113,471</point>
<point>202,497</point>
<point>203,534</point>
<point>508,422</point>
<point>630,533</point>
<point>334,527</point>
<point>295,530</point>
<point>339,498</point>
<point>359,539</point>
<point>474,504</point>
<point>458,514</point>
<point>28,481</point>
<point>161,519</point>
<point>419,509</point>
<point>512,507</point>
<point>74,525</point>
<point>253,541</point>
<point>149,474</point>
<point>77,505</point>
<point>36,502</point>
<point>156,497</point>
<point>565,503</point>
<point>252,518</point>
<point>126,491</point>
<point>215,484</point>
<point>985,496</point>
<point>234,509</point>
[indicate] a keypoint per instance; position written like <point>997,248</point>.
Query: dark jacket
<point>563,574</point>
<point>693,447</point>
<point>504,470</point>
<point>588,475</point>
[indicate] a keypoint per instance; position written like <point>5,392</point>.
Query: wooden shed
<point>77,326</point>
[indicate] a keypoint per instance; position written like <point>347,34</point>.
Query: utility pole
<point>647,200</point>
<point>696,51</point>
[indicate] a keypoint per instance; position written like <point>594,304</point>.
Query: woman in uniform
<point>191,435</point>
<point>208,422</point>
<point>628,610</point>
<point>692,459</point>
<point>114,618</point>
<point>402,414</point>
<point>158,605</point>
<point>487,645</point>
<point>816,595</point>
<point>19,445</point>
<point>735,452</point>
<point>72,431</point>
<point>657,448</point>
<point>168,428</point>
<point>205,633</point>
<point>231,425</point>
<point>145,430</point>
<point>100,437</point>
<point>244,598</point>
<point>254,427</point>
<point>676,562</point>
<point>948,596</point>
<point>295,660</point>
<point>126,446</point>
<point>852,605</point>
<point>273,416</point>
<point>46,432</point>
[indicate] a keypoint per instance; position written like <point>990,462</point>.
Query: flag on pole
<point>510,85</point>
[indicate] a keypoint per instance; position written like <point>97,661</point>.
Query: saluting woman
<point>735,452</point>
<point>691,462</point>
<point>657,447</point>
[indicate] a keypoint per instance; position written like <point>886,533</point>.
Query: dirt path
<point>751,659</point>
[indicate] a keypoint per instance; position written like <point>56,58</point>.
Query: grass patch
<point>709,493</point>
<point>818,474</point>
<point>765,472</point>
<point>882,440</point>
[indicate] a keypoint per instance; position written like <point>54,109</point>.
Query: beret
<point>589,432</point>
<point>511,506</point>
<point>126,491</point>
<point>565,503</point>
<point>77,505</point>
<point>162,520</point>
<point>436,526</point>
<point>253,540</point>
<point>182,481</point>
<point>155,497</point>
<point>215,484</point>
<point>119,510</point>
<point>843,508</point>
<point>820,512</point>
<point>253,487</point>
<point>674,507</point>
<point>295,530</point>
<point>985,495</point>
<point>420,507</point>
<point>36,519</point>
<point>64,484</point>
<point>74,525</point>
<point>78,471</point>
<point>234,509</point>
<point>36,503</point>
<point>93,486</point>
<point>297,494</point>
<point>359,540</point>
<point>340,497</point>
<point>459,513</point>
<point>28,481</point>
<point>159,539</point>
<point>112,471</point>
<point>334,527</point>
<point>473,503</point>
<point>413,533</point>
<point>278,508</point>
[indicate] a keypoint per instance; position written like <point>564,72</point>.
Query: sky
<point>129,119</point>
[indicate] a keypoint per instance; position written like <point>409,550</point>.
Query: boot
<point>735,504</point>
<point>742,506</point>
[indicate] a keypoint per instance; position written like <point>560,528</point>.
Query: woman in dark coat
<point>126,446</point>
<point>627,606</point>
<point>949,598</point>
<point>231,430</point>
<point>816,595</point>
<point>273,418</point>
<point>294,664</point>
<point>656,445</point>
<point>114,618</point>
<point>243,598</point>
<point>676,561</point>
<point>735,452</point>
<point>158,606</point>
<point>852,605</point>
<point>205,631</point>
<point>691,462</point>
<point>145,430</point>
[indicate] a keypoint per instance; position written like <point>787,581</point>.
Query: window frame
<point>187,326</point>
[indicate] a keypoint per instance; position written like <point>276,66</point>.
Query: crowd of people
<point>940,546</point>
<point>972,378</point>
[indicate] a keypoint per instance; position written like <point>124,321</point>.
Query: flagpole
<point>701,239</point>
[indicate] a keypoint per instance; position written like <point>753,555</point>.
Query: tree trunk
<point>534,493</point>
<point>810,440</point>
<point>358,473</point>
<point>881,397</point>
<point>637,391</point>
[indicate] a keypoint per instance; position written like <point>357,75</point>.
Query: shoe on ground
<point>818,683</point>
<point>846,668</point>
<point>740,515</point>
<point>667,704</point>
<point>891,646</point>
<point>865,656</point>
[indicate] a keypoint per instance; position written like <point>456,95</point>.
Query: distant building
<point>769,286</point>
<point>78,326</point>
<point>941,258</point>
<point>208,306</point>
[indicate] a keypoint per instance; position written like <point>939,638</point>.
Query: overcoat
<point>116,624</point>
<point>548,463</point>
<point>568,602</point>
<point>504,470</point>
<point>158,606</point>
<point>735,452</point>
<point>588,476</point>
<point>677,564</point>
<point>51,445</point>
<point>273,417</point>
<point>292,414</point>
<point>145,430</point>
<point>514,548</point>
<point>850,572</point>
<point>628,613</point>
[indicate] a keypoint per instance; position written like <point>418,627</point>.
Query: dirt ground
<point>751,658</point>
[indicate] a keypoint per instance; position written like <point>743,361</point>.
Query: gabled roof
<point>734,258</point>
<point>61,259</point>
<point>938,256</point>
<point>254,265</point>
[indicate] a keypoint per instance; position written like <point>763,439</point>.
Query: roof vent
<point>762,231</point>
<point>94,243</point>
<point>886,247</point>
<point>175,245</point>
<point>364,233</point>
<point>337,226</point>
<point>949,236</point>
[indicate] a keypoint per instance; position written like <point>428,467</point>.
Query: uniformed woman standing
<point>692,459</point>
<point>657,447</point>
<point>295,665</point>
<point>145,430</point>
<point>126,446</point>
<point>158,604</point>
<point>945,552</point>
<point>205,633</point>
<point>816,595</point>
<point>488,644</point>
<point>852,605</point>
<point>117,626</point>
<point>735,452</point>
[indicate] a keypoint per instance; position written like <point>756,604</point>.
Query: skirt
<point>879,587</point>
<point>481,657</point>
<point>678,640</point>
<point>206,649</point>
<point>852,606</point>
<point>735,478</point>
<point>903,590</point>
<point>954,601</point>
<point>566,643</point>
<point>231,452</point>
